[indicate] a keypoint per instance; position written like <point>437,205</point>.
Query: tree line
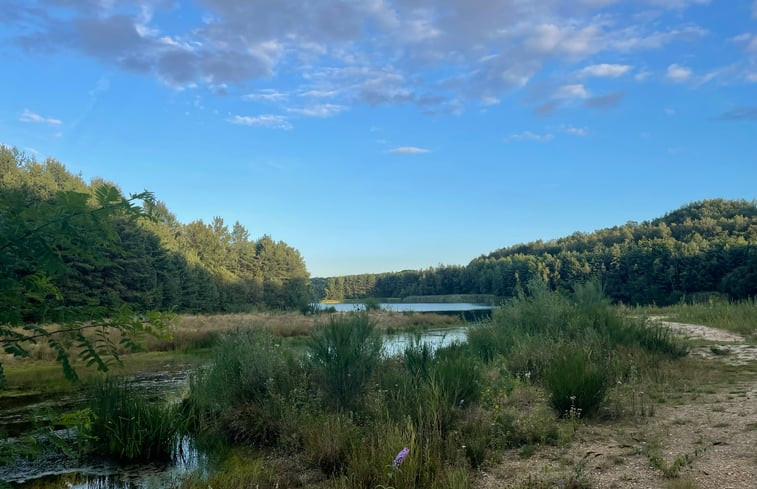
<point>702,248</point>
<point>71,249</point>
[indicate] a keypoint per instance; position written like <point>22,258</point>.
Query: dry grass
<point>200,332</point>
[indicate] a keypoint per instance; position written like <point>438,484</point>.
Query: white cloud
<point>576,131</point>
<point>438,56</point>
<point>29,116</point>
<point>530,136</point>
<point>605,70</point>
<point>642,75</point>
<point>409,150</point>
<point>677,73</point>
<point>266,95</point>
<point>266,120</point>
<point>320,110</point>
<point>571,91</point>
<point>319,93</point>
<point>749,41</point>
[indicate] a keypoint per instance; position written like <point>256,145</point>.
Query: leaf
<point>62,358</point>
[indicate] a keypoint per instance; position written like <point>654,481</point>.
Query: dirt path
<point>703,437</point>
<point>729,347</point>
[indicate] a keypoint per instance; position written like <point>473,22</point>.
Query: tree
<point>43,241</point>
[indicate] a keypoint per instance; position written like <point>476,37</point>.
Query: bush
<point>343,354</point>
<point>576,382</point>
<point>251,391</point>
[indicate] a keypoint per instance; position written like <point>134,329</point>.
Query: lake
<point>441,307</point>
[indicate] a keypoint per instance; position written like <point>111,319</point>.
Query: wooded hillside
<point>68,248</point>
<point>703,247</point>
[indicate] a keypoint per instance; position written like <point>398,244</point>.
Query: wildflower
<point>400,457</point>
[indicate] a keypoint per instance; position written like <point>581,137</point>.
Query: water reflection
<point>396,344</point>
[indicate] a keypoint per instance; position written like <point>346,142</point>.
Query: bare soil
<point>704,437</point>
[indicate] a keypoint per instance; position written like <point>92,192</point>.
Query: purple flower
<point>400,457</point>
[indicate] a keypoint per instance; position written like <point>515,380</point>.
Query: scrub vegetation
<point>545,362</point>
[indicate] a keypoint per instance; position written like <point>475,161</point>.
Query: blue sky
<point>381,135</point>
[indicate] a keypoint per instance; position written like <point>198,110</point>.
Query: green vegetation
<point>703,247</point>
<point>344,353</point>
<point>109,252</point>
<point>121,422</point>
<point>738,317</point>
<point>92,265</point>
<point>345,412</point>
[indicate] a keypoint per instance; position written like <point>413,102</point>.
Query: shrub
<point>343,354</point>
<point>576,382</point>
<point>250,391</point>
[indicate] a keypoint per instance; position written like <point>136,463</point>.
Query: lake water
<point>395,344</point>
<point>101,473</point>
<point>413,307</point>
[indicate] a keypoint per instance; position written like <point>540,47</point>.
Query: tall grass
<point>738,317</point>
<point>577,382</point>
<point>527,331</point>
<point>249,390</point>
<point>126,425</point>
<point>344,353</point>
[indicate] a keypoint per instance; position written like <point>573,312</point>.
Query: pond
<point>102,473</point>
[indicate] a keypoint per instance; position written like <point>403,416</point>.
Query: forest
<point>701,249</point>
<point>69,250</point>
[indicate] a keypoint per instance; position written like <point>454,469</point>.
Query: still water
<point>412,307</point>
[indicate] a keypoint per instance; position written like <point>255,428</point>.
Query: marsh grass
<point>128,426</point>
<point>249,390</point>
<point>525,379</point>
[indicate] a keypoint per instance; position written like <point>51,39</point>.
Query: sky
<point>382,135</point>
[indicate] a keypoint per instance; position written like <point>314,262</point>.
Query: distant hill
<point>703,247</point>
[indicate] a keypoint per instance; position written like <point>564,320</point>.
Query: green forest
<point>702,248</point>
<point>71,250</point>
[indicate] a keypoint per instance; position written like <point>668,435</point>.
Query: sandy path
<point>730,347</point>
